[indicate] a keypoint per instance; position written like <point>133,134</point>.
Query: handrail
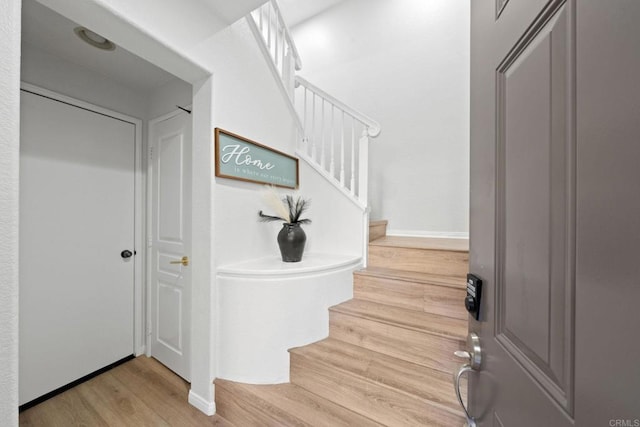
<point>285,28</point>
<point>373,127</point>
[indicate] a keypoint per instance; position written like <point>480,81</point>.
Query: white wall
<point>246,102</point>
<point>164,99</point>
<point>59,75</point>
<point>404,63</point>
<point>337,221</point>
<point>9,166</point>
<point>56,74</point>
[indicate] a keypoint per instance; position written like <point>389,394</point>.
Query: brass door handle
<point>184,261</point>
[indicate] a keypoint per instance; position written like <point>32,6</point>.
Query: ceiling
<point>297,11</point>
<point>46,30</point>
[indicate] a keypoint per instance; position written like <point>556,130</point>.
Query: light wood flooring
<point>141,392</point>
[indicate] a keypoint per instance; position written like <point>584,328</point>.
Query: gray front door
<point>555,211</point>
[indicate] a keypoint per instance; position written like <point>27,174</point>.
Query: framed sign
<point>245,160</point>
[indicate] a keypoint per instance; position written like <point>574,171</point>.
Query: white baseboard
<point>140,350</point>
<point>438,234</point>
<point>203,405</point>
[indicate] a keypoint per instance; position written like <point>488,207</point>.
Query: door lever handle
<point>471,422</point>
<point>184,261</point>
<point>462,355</point>
<point>473,360</point>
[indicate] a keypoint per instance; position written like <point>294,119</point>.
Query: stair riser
<point>412,346</point>
<point>412,296</point>
<point>446,263</point>
<point>380,403</point>
<point>377,231</point>
<point>239,410</point>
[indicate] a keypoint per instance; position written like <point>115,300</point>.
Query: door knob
<point>126,254</point>
<point>184,261</point>
<point>473,361</point>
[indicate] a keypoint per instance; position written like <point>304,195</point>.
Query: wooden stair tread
<point>429,243</point>
<point>409,319</point>
<point>425,383</point>
<point>414,277</point>
<point>378,222</point>
<point>290,405</point>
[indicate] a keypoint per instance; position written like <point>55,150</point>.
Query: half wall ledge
<point>266,306</point>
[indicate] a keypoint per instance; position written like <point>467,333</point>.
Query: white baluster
<point>291,70</point>
<point>353,156</point>
<point>304,123</point>
<point>333,132</point>
<point>286,75</point>
<point>269,23</point>
<point>363,168</point>
<point>342,150</point>
<point>322,127</point>
<point>313,128</point>
<point>260,24</point>
<point>276,28</point>
<point>283,49</point>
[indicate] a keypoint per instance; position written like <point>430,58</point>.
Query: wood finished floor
<point>141,392</point>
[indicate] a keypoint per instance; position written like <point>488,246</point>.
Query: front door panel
<point>535,191</point>
<point>554,229</point>
<point>526,256</point>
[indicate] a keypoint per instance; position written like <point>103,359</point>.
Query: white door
<point>76,217</point>
<point>170,140</point>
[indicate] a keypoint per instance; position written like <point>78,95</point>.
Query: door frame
<point>139,227</point>
<point>149,223</point>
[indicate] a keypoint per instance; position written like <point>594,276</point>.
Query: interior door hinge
<point>150,153</point>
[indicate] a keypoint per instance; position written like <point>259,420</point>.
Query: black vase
<point>291,240</point>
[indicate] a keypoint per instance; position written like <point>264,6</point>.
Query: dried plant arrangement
<point>288,209</point>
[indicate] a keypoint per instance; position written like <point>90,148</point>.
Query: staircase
<point>333,138</point>
<point>388,359</point>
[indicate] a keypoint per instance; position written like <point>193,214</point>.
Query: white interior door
<point>76,217</point>
<point>170,236</point>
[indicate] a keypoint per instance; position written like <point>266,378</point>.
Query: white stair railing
<point>334,138</point>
